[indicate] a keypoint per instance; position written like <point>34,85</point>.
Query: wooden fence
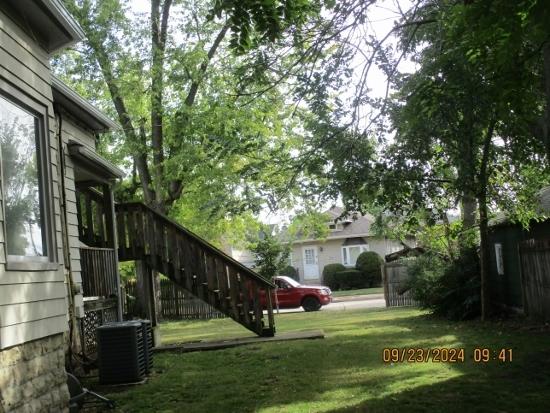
<point>176,303</point>
<point>395,280</point>
<point>535,277</point>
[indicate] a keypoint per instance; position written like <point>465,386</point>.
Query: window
<point>27,226</point>
<point>350,253</point>
<point>309,256</point>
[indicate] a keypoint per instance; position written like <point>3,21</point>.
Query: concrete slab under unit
<point>218,345</point>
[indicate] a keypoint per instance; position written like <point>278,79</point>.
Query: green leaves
<point>254,22</point>
<point>271,256</point>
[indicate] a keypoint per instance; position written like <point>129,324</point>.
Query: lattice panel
<point>89,323</point>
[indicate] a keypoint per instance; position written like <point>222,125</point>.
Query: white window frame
<point>312,249</point>
<point>346,254</point>
<point>40,113</point>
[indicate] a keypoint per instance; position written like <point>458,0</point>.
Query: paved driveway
<point>355,304</point>
<point>366,301</point>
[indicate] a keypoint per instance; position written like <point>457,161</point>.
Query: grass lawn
<point>344,372</point>
<point>362,291</point>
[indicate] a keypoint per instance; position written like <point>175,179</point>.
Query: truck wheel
<point>311,304</point>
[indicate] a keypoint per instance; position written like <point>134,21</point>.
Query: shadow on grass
<point>345,372</point>
<point>524,388</point>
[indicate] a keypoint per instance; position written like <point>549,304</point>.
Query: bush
<point>350,279</point>
<point>448,288</point>
<point>290,271</point>
<point>329,275</point>
<point>370,264</point>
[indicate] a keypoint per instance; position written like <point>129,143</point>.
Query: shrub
<point>370,264</point>
<point>328,275</point>
<point>350,279</point>
<point>448,288</point>
<point>290,271</point>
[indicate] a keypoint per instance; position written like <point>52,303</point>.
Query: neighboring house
<point>51,176</point>
<point>244,256</point>
<point>348,237</point>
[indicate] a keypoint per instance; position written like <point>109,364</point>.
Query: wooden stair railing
<point>196,265</point>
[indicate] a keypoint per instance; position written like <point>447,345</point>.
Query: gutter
<point>69,99</point>
<point>302,241</point>
<point>93,161</point>
<point>66,20</point>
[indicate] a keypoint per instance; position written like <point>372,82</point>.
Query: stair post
<point>146,297</point>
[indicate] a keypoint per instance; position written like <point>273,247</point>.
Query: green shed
<point>505,275</point>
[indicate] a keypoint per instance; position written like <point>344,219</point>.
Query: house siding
<point>33,304</point>
<point>332,253</point>
<point>25,65</point>
<point>71,131</point>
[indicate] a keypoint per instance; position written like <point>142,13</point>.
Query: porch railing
<point>99,272</point>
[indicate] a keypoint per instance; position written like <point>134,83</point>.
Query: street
<point>347,303</point>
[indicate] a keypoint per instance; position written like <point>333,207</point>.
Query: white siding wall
<point>245,257</point>
<point>32,304</point>
<point>332,253</point>
<point>71,131</point>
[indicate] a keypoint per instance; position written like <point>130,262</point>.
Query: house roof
<point>335,212</point>
<point>95,163</point>
<point>354,225</point>
<point>48,21</point>
<point>80,108</point>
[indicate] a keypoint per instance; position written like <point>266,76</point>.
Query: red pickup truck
<point>291,294</point>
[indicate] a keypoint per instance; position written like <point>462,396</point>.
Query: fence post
<point>385,282</point>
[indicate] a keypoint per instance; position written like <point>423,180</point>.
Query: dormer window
<point>332,226</point>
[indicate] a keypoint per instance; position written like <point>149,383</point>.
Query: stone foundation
<point>32,377</point>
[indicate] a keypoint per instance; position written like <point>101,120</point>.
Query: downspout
<point>65,235</point>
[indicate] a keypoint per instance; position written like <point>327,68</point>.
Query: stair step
<point>195,268</point>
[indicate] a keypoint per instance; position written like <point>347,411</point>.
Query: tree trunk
<point>484,254</point>
<point>157,294</point>
<point>469,208</point>
<point>483,180</point>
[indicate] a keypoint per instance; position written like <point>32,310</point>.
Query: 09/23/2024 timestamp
<point>446,355</point>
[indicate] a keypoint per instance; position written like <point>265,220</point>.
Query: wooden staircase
<point>194,264</point>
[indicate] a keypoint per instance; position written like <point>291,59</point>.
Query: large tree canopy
<point>229,106</point>
<point>468,127</point>
<point>173,79</point>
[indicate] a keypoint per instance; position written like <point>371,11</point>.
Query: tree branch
<point>191,96</point>
<point>175,187</point>
<point>95,41</point>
